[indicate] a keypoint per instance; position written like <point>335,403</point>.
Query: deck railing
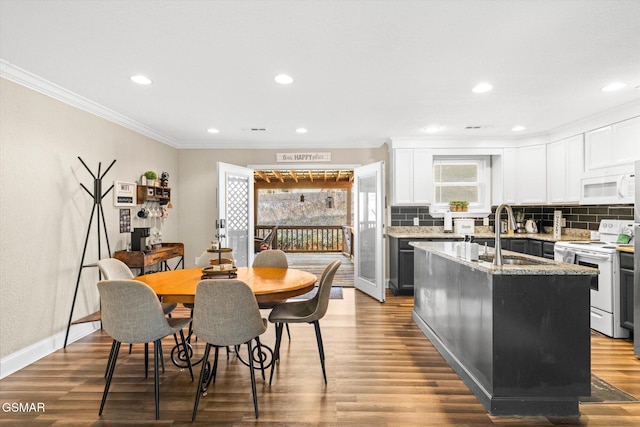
<point>305,238</point>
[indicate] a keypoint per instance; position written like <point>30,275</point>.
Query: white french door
<point>234,226</point>
<point>369,230</point>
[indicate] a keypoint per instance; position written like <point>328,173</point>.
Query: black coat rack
<point>97,210</point>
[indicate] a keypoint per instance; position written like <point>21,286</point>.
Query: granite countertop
<point>546,266</point>
<point>625,249</point>
<point>480,233</point>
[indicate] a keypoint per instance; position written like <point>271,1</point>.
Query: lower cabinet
<point>401,263</point>
<point>534,247</point>
<point>547,249</point>
<point>626,290</point>
<point>519,245</point>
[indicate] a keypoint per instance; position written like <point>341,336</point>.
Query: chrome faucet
<point>497,258</point>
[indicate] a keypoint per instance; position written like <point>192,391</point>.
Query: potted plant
<point>151,177</point>
<point>458,206</point>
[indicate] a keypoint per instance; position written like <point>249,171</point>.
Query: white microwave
<point>608,190</point>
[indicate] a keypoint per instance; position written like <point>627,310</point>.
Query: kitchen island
<point>518,335</point>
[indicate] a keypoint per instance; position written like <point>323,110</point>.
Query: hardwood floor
<point>381,370</point>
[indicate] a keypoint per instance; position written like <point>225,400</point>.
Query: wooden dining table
<point>269,284</point>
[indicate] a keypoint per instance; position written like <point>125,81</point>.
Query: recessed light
<point>432,129</point>
<point>613,86</point>
<point>518,128</point>
<point>283,79</point>
<point>482,88</point>
<point>213,130</point>
<point>141,80</point>
<point>301,130</point>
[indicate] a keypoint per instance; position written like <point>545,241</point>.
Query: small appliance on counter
<point>520,228</point>
<point>464,226</point>
<point>448,222</point>
<point>139,238</point>
<point>531,226</point>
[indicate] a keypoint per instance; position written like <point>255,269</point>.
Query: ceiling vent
<point>474,127</point>
<point>254,129</point>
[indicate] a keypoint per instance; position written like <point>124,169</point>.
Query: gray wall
<point>44,213</point>
<point>199,179</point>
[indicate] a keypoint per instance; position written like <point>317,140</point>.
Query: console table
<point>142,259</point>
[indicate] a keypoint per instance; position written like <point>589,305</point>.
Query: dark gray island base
<point>517,335</point>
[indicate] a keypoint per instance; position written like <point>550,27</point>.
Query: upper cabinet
<point>531,174</point>
<point>412,176</point>
<point>612,145</point>
<point>565,159</point>
<point>509,176</point>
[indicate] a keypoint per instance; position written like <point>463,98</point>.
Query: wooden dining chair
<point>305,311</point>
<point>132,313</point>
<point>226,314</point>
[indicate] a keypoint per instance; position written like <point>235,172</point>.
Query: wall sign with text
<point>303,157</point>
<point>124,193</point>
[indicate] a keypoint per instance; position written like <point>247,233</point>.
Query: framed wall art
<point>124,193</point>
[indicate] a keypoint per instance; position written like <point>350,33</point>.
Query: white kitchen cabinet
<point>575,166</point>
<point>509,176</point>
<point>412,176</point>
<point>612,145</point>
<point>531,174</point>
<point>565,159</point>
<point>626,137</point>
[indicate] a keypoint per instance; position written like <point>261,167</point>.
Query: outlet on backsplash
<point>416,221</point>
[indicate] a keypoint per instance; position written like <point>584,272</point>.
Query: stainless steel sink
<point>515,260</point>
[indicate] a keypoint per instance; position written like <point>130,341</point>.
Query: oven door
<point>602,285</point>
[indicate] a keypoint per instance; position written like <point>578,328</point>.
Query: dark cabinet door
<point>405,272</point>
<point>535,248</point>
<point>518,245</point>
<point>626,290</point>
<point>547,249</point>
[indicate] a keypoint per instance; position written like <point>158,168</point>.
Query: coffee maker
<point>139,239</point>
<point>520,225</point>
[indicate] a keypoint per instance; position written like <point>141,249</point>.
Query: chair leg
<point>111,367</point>
<point>110,360</point>
<point>130,347</point>
<point>320,348</point>
<point>146,360</point>
<point>253,379</point>
<point>162,357</point>
<point>276,351</point>
<point>200,381</point>
<point>156,377</point>
<point>288,333</point>
<point>186,352</point>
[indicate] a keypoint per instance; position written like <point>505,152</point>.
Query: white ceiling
<point>365,71</point>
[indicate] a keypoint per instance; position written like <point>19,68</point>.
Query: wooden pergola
<point>328,179</point>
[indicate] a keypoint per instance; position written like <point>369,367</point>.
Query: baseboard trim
<point>28,355</point>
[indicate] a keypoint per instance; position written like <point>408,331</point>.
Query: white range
<point>605,288</point>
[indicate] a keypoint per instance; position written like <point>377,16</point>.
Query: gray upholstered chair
<point>114,269</point>
<point>132,313</point>
<point>225,314</point>
<point>305,311</point>
<point>271,258</point>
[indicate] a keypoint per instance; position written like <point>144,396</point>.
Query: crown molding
<point>25,78</point>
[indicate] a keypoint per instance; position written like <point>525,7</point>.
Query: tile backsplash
<point>586,217</point>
